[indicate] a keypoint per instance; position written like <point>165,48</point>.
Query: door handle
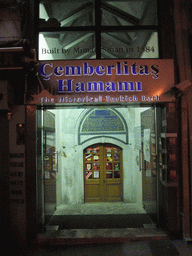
<point>104,181</point>
<point>142,163</point>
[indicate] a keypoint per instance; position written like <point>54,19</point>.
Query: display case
<point>168,145</point>
<point>51,163</point>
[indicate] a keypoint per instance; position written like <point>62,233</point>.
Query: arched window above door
<point>103,122</point>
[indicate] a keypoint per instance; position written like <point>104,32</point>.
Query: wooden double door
<point>103,173</point>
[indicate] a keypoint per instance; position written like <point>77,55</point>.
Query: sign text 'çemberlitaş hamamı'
<point>91,81</point>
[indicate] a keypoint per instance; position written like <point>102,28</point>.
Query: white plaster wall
<point>70,182</point>
<point>128,156</point>
<point>68,176</point>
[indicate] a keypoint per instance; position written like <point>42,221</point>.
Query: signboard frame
<point>105,81</point>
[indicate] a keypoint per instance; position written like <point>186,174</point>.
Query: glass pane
<point>96,150</point>
<point>117,175</point>
<point>116,150</point>
<point>109,175</point>
<point>96,166</point>
<point>88,150</point>
<point>66,13</point>
<point>117,166</point>
<point>88,158</point>
<point>129,44</point>
<point>88,175</point>
<point>109,158</point>
<point>108,166</point>
<point>96,175</point>
<point>116,157</point>
<point>66,45</point>
<point>108,150</point>
<point>96,157</point>
<point>130,13</point>
<point>88,166</point>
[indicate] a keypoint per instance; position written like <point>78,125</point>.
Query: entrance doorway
<point>103,173</point>
<point>90,155</point>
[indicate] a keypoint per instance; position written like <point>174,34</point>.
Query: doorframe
<point>158,125</point>
<point>40,170</point>
<point>31,172</point>
<point>32,130</point>
<point>183,95</point>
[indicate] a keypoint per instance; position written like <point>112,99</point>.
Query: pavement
<point>131,248</point>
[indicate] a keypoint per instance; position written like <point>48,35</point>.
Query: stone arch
<point>102,123</point>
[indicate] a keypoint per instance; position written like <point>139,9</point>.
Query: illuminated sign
<point>96,81</point>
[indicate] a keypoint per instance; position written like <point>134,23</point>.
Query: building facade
<point>95,107</point>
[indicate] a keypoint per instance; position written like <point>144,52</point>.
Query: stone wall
<point>70,182</point>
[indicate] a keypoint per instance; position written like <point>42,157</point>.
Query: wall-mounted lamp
<point>9,115</point>
<point>20,134</point>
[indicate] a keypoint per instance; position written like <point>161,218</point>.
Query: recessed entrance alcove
<point>93,160</point>
<point>76,130</point>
